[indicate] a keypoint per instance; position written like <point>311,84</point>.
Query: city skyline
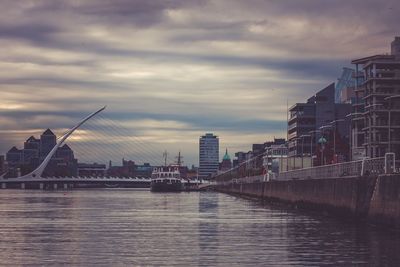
<point>172,71</point>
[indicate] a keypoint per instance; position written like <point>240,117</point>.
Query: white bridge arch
<point>34,179</point>
<point>37,173</point>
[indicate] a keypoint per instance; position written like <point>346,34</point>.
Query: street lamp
<point>334,135</point>
<point>322,140</point>
<point>302,148</point>
<point>351,132</point>
<point>311,145</point>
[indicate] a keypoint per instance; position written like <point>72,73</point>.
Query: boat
<point>166,179</point>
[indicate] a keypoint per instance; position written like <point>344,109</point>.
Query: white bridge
<point>35,177</point>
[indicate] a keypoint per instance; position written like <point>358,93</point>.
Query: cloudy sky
<point>170,71</point>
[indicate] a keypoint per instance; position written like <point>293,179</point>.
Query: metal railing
<point>242,180</point>
<point>365,167</point>
<point>374,166</point>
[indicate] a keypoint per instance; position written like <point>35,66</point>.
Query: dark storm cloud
<point>321,68</point>
<point>219,123</point>
<point>114,12</point>
<point>147,13</point>
<point>35,33</point>
<point>187,65</point>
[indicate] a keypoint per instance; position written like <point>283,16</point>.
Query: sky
<point>170,71</point>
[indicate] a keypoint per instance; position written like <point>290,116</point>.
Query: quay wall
<point>376,199</point>
<point>385,202</point>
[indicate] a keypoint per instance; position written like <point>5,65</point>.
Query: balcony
<point>358,118</point>
<point>381,79</point>
<point>292,135</point>
<point>309,127</point>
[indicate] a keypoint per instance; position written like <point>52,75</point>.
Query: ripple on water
<point>135,227</point>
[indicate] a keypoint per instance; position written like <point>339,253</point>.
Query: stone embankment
<point>376,199</point>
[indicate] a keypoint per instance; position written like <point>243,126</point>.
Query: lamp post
<point>351,132</point>
<point>323,141</point>
<point>302,148</point>
<point>311,145</point>
<point>334,135</point>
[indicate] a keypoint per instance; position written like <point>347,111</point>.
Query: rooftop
<point>32,139</point>
<point>14,150</point>
<point>48,132</point>
<point>370,58</point>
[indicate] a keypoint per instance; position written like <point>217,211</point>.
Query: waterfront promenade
<point>367,190</point>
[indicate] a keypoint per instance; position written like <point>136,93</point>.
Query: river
<point>120,227</point>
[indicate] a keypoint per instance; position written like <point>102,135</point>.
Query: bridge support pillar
<point>22,185</point>
<point>41,186</point>
<point>55,186</point>
<point>3,186</point>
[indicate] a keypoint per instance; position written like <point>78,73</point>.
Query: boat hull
<point>166,186</point>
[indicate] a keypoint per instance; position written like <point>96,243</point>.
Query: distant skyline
<point>173,70</point>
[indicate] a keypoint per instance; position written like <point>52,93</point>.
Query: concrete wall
<point>385,201</point>
<point>372,198</point>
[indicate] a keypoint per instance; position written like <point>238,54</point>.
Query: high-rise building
<point>376,114</point>
<point>208,155</point>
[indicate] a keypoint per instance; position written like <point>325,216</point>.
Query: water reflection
<point>208,229</point>
<point>135,227</point>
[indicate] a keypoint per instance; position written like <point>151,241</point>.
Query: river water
<point>139,228</point>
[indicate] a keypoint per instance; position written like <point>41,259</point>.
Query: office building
<point>30,153</point>
<point>319,116</point>
<point>240,157</point>
<point>208,155</point>
<point>47,142</point>
<point>23,161</point>
<point>275,155</point>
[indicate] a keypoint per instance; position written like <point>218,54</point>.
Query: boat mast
<point>179,159</point>
<point>165,155</point>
